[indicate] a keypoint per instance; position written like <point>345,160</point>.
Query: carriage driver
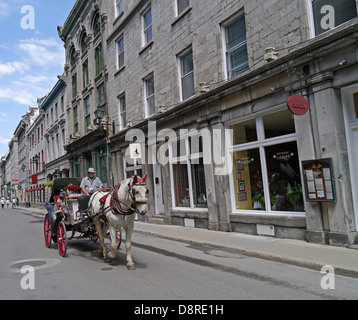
<point>91,184</point>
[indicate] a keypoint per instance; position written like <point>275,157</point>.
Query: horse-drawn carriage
<point>67,212</point>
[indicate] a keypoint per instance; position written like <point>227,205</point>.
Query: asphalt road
<point>165,270</point>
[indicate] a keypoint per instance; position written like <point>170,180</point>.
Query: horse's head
<point>139,194</point>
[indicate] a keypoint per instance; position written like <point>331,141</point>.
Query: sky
<point>30,59</point>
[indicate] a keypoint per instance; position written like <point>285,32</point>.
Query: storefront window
<point>181,185</point>
<point>244,132</point>
<point>188,175</point>
<point>284,177</point>
<point>266,173</point>
<point>279,124</point>
<point>249,191</point>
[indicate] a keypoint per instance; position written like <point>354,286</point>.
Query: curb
<point>259,255</point>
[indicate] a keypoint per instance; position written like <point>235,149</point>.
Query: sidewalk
<point>295,252</point>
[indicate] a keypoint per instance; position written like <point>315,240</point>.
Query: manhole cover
<point>107,269</point>
<point>37,264</point>
<point>28,263</point>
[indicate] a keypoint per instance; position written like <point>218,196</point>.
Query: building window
<point>73,57</point>
<point>62,104</point>
<point>87,113</point>
<point>187,75</point>
<point>118,7</point>
<point>122,112</point>
<point>74,86</point>
<point>99,59</point>
<point>329,14</point>
<point>236,47</point>
<point>187,175</point>
<point>182,5</point>
<point>84,44</point>
<point>120,53</point>
<point>147,27</point>
<point>149,95</point>
<point>63,137</point>
<point>75,119</point>
<point>266,171</point>
<point>85,74</point>
<point>101,96</point>
<point>52,116</point>
<point>96,25</point>
<point>56,110</point>
<point>132,169</point>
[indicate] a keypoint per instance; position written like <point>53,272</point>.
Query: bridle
<point>117,207</point>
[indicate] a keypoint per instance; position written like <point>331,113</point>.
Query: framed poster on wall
<point>319,180</point>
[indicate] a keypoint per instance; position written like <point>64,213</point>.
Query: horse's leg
<point>100,232</point>
<point>114,245</point>
<point>129,232</point>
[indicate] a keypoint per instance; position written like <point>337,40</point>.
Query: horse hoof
<point>132,267</point>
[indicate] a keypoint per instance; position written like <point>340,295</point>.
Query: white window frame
<point>127,168</point>
<point>118,7</point>
<point>121,112</point>
<point>185,160</point>
<point>177,8</point>
<point>145,28</point>
<point>119,52</point>
<point>181,76</point>
<point>260,144</point>
<point>224,26</point>
<point>309,4</point>
<point>147,96</point>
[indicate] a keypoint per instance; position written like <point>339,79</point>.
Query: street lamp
<point>100,112</point>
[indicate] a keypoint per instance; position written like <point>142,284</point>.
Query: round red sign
<point>298,105</point>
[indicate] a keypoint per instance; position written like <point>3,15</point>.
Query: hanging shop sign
<point>298,105</point>
<point>319,180</point>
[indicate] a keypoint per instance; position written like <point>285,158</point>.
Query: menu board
<point>319,180</point>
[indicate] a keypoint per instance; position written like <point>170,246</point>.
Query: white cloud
<point>42,52</point>
<point>4,141</point>
<point>12,67</point>
<point>34,74</point>
<point>4,10</point>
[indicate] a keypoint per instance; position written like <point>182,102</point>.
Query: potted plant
<point>259,200</point>
<point>295,197</point>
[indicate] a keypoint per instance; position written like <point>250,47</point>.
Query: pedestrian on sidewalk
<point>2,201</point>
<point>13,203</point>
<point>8,202</point>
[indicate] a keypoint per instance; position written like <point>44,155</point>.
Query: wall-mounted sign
<point>298,105</point>
<point>319,180</point>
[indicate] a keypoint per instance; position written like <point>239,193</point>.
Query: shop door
<point>158,189</point>
<point>350,105</point>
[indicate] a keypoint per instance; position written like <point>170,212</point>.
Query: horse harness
<point>116,204</point>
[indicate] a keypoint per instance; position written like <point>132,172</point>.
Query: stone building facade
<point>225,70</point>
<point>86,72</point>
<point>55,118</point>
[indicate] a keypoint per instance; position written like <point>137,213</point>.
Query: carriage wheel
<point>47,231</point>
<point>62,239</point>
<point>118,238</point>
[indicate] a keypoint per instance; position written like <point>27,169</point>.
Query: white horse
<point>117,210</point>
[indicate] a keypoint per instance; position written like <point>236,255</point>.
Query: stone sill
<point>179,17</point>
<point>293,221</point>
